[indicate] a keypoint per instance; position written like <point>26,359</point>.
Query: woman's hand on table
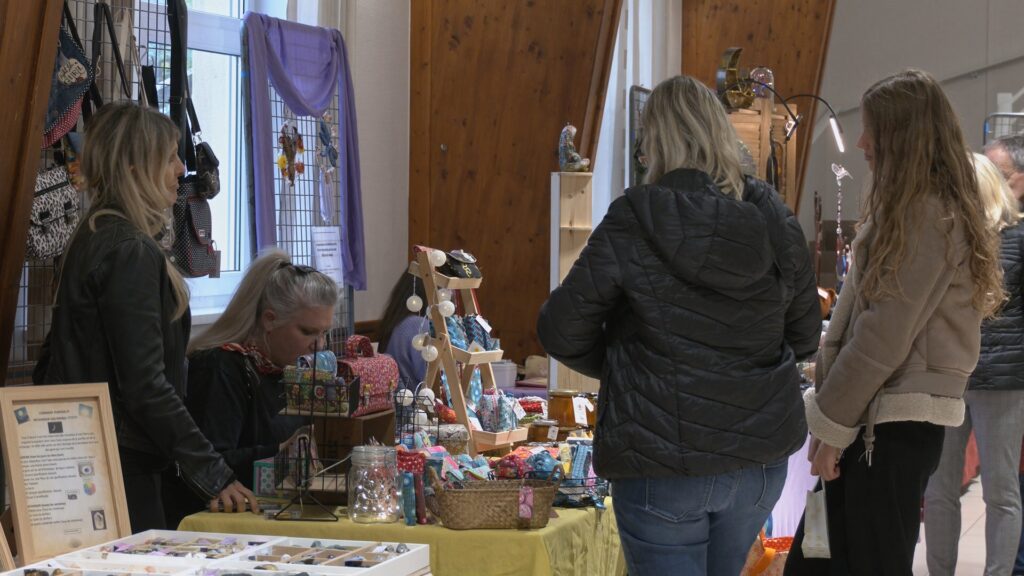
<point>233,498</point>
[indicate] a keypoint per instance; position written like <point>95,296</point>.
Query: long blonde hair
<point>123,163</point>
<point>271,283</point>
<point>920,152</point>
<point>685,126</point>
<point>1001,206</point>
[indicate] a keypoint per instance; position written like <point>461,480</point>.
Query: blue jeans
<point>694,524</point>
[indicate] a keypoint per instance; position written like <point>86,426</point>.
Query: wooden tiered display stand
<point>450,358</point>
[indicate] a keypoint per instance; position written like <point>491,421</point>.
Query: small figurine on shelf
<point>569,160</point>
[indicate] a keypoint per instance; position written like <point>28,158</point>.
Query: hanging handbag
<point>207,174</point>
<point>377,375</point>
<point>73,74</point>
<point>55,206</point>
<point>193,249</point>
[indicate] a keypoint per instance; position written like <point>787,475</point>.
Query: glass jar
<point>560,407</point>
<point>374,486</point>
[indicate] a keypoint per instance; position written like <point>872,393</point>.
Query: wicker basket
<point>491,503</point>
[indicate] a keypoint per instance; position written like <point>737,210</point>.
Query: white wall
<point>377,37</point>
<point>975,48</point>
<point>648,49</point>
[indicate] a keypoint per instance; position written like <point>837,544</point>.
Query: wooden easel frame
<point>12,399</point>
<point>449,357</point>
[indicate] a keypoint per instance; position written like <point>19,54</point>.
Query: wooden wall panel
<point>788,36</point>
<point>28,46</point>
<point>500,81</point>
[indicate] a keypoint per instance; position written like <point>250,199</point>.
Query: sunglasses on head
<point>300,269</point>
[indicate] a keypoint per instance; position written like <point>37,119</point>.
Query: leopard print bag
<point>55,208</point>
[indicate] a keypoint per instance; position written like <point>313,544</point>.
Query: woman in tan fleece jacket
<point>905,334</point>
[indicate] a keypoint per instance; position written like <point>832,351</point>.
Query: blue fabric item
<point>408,499</point>
<point>306,65</point>
<point>411,366</point>
<point>695,524</point>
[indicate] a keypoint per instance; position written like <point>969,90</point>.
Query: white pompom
<point>437,258</point>
<point>429,353</point>
<point>421,419</point>
<point>419,341</point>
<point>414,303</point>
<point>425,396</point>
<point>446,308</point>
<point>405,397</point>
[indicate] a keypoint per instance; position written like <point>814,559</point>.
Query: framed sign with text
<point>60,451</point>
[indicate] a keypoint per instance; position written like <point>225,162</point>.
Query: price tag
<point>474,423</point>
<point>579,409</point>
<point>517,409</point>
<point>553,433</point>
<point>483,323</point>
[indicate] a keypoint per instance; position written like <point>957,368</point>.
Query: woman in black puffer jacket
<point>692,302</point>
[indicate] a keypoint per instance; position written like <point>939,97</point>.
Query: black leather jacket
<point>112,322</point>
<point>692,309</point>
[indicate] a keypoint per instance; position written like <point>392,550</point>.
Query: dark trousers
<point>874,513</point>
<point>141,473</point>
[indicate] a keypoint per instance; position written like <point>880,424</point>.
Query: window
<point>214,78</point>
<point>214,70</point>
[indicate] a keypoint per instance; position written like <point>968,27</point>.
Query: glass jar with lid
<point>374,485</point>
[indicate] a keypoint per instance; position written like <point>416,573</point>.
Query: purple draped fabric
<point>305,64</point>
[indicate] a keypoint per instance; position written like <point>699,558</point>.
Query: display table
<point>575,543</point>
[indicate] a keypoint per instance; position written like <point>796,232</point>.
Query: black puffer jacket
<point>692,309</point>
<point>1001,364</point>
<point>112,322</point>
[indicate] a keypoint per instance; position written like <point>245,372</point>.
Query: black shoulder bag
<point>193,249</point>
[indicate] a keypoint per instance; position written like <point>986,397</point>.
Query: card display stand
<point>313,470</point>
<point>166,552</point>
<point>457,364</point>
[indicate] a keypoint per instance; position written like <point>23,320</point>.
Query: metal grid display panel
<point>35,292</point>
<point>1003,124</point>
<point>298,206</point>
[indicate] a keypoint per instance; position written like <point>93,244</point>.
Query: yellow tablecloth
<point>574,544</point>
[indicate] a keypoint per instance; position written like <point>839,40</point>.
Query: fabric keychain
<point>327,162</point>
<point>291,144</point>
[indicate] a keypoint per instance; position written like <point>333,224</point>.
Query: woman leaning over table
<point>236,388</point>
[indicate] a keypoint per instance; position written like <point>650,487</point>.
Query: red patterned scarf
<point>263,364</point>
